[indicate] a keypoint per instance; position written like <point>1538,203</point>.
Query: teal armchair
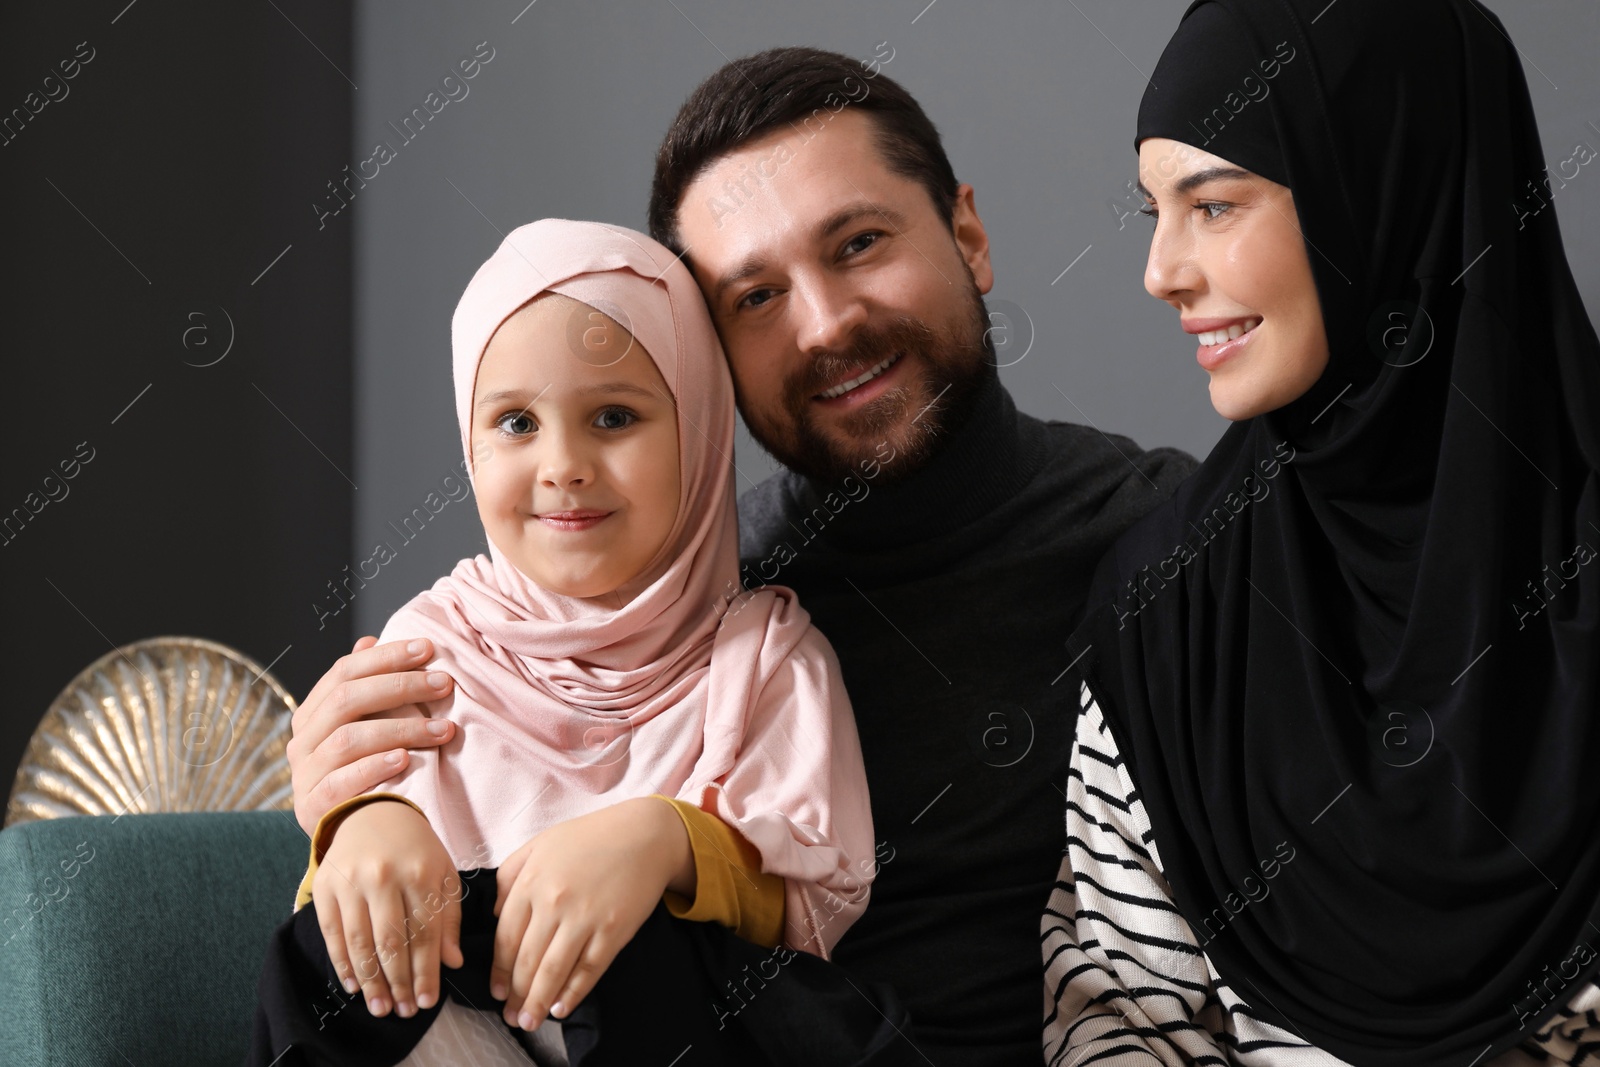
<point>138,939</point>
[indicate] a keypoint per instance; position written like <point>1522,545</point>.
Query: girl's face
<point>578,486</point>
<point>1228,254</point>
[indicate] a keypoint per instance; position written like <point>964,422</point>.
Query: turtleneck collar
<point>980,465</point>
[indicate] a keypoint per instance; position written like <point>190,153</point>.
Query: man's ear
<point>971,238</point>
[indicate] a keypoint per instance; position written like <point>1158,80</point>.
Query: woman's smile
<point>1220,339</point>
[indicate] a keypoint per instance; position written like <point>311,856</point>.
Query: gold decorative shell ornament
<point>163,724</point>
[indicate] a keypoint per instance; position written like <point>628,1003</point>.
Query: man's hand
<point>388,901</point>
<point>570,898</point>
<point>335,755</point>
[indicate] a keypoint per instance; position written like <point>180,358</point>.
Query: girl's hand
<point>387,895</point>
<point>570,898</point>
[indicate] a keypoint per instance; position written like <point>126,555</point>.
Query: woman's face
<point>1229,256</point>
<point>578,484</point>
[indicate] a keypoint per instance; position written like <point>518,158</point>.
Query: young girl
<point>630,753</point>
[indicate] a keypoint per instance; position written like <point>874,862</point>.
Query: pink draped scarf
<point>566,707</point>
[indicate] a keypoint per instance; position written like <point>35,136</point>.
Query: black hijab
<point>1369,626</point>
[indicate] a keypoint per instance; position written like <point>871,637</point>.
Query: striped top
<point>1125,980</point>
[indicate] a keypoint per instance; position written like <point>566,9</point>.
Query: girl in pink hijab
<point>639,738</point>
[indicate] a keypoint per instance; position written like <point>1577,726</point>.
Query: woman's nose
<point>1170,268</point>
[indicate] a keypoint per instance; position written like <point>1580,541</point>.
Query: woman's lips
<point>1220,339</point>
<point>574,521</point>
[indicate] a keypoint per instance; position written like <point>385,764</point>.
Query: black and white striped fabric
<point>1126,982</point>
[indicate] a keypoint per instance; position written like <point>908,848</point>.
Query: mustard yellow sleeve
<point>323,833</point>
<point>730,887</point>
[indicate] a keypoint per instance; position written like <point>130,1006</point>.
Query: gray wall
<point>1036,103</point>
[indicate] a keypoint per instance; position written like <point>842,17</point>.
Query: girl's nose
<point>564,461</point>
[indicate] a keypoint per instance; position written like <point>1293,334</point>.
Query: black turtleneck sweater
<point>948,598</point>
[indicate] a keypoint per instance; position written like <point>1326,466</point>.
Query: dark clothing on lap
<point>688,993</point>
<point>948,598</point>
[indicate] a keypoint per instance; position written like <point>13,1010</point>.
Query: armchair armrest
<point>140,938</point>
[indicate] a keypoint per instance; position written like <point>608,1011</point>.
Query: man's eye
<point>520,417</point>
<point>750,298</point>
<point>1212,210</point>
<point>1149,211</point>
<point>855,243</point>
<point>615,419</point>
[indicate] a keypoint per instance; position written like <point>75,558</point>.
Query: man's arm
<point>335,753</point>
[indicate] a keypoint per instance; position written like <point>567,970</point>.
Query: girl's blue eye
<point>615,419</point>
<point>509,416</point>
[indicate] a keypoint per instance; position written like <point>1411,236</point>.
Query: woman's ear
<point>971,238</point>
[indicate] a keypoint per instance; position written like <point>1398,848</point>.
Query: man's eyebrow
<point>821,232</point>
<point>1190,182</point>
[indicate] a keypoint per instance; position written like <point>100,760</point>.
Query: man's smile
<point>849,385</point>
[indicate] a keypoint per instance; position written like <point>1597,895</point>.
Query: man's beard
<point>911,418</point>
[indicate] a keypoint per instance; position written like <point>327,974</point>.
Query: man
<point>941,540</point>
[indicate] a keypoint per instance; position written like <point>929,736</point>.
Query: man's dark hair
<point>781,87</point>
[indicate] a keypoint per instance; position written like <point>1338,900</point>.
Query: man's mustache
<point>867,348</point>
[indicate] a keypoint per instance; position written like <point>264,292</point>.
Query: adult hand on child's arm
<point>388,901</point>
<point>570,898</point>
<point>335,754</point>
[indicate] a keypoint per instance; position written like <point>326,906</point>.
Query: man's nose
<point>828,312</point>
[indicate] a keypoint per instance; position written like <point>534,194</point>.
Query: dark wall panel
<point>176,431</point>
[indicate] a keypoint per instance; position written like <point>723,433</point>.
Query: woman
<point>1333,793</point>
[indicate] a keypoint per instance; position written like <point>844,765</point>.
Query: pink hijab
<point>566,707</point>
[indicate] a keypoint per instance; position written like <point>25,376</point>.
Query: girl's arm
<point>388,901</point>
<point>727,885</point>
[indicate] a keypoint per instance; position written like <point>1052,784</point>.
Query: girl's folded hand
<point>570,898</point>
<point>388,900</point>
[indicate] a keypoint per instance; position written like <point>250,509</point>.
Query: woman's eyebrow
<point>1193,181</point>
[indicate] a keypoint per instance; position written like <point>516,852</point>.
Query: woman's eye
<point>615,419</point>
<point>517,417</point>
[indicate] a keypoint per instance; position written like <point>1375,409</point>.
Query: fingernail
<point>499,990</point>
<point>416,648</point>
<point>525,1020</point>
<point>393,759</point>
<point>351,986</point>
<point>404,1009</point>
<point>438,679</point>
<point>425,1000</point>
<point>377,1005</point>
<point>558,1009</point>
<point>438,729</point>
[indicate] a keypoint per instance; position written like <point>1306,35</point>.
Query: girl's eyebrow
<point>606,388</point>
<point>1197,179</point>
<point>619,389</point>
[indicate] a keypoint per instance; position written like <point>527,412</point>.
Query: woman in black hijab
<point>1336,789</point>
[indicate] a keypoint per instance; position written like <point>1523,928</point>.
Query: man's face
<point>851,314</point>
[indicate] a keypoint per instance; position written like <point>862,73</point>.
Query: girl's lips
<point>574,521</point>
<point>1212,356</point>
